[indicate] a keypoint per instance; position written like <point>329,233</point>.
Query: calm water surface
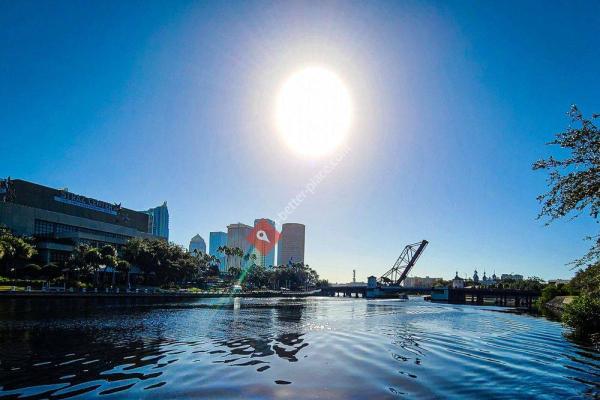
<point>282,348</point>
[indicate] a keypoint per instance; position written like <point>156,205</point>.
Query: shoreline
<point>92,295</point>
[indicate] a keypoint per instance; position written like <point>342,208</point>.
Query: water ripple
<point>304,348</point>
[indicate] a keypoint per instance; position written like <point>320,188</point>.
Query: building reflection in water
<point>282,334</point>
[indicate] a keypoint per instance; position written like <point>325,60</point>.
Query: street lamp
<point>13,270</point>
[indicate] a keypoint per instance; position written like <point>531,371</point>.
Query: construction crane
<point>403,264</point>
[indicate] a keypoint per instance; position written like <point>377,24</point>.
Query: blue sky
<point>141,102</point>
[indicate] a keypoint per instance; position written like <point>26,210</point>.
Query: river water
<point>332,348</point>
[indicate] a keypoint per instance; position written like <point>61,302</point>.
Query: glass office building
<point>159,221</point>
<point>197,243</point>
<point>216,240</point>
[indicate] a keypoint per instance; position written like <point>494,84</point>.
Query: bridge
<point>360,290</point>
<point>389,285</point>
<point>504,297</point>
<point>475,296</point>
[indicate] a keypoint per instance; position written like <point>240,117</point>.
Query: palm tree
<point>124,267</point>
<point>15,251</point>
<point>109,258</point>
<point>93,259</point>
<point>31,271</point>
<point>231,252</point>
<point>50,271</point>
<point>234,272</point>
<point>77,262</point>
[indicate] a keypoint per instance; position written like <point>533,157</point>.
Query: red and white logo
<point>263,236</point>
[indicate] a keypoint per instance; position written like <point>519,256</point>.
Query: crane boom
<point>403,264</point>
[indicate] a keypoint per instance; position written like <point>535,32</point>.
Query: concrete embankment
<point>557,304</point>
<point>160,295</point>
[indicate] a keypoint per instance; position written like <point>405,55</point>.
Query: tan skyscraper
<point>237,237</point>
<point>290,248</point>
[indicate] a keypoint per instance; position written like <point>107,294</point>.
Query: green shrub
<point>550,292</point>
<point>80,285</point>
<point>588,280</point>
<point>583,314</point>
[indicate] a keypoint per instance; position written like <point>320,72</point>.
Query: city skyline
<point>241,240</point>
<point>299,199</point>
<point>452,103</point>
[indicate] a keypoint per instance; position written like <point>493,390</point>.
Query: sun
<point>314,111</point>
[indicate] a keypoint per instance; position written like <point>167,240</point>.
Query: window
<point>43,228</point>
<point>48,229</point>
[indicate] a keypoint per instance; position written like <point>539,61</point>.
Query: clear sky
<point>142,102</point>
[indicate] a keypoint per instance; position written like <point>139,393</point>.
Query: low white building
<point>458,282</point>
<point>558,281</point>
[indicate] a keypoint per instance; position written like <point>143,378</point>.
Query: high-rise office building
<point>237,236</point>
<point>197,243</point>
<point>265,249</point>
<point>216,240</point>
<point>61,220</point>
<point>159,224</point>
<point>290,248</point>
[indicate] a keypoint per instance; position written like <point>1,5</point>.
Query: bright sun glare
<point>314,111</point>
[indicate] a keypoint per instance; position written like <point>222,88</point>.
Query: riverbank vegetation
<point>144,262</point>
<point>575,191</point>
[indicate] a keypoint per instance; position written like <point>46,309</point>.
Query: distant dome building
<point>197,243</point>
<point>475,278</point>
<point>488,280</point>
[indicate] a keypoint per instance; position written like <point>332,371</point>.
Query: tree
<point>230,252</point>
<point>322,283</point>
<point>50,271</point>
<point>124,267</point>
<point>15,251</point>
<point>30,271</point>
<point>76,263</point>
<point>574,189</point>
<point>214,268</point>
<point>575,180</point>
<point>588,280</point>
<point>256,276</point>
<point>234,272</point>
<point>109,258</point>
<point>165,263</point>
<point>93,259</point>
<point>583,314</point>
<point>203,264</point>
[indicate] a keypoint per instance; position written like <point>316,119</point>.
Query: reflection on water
<point>304,348</point>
